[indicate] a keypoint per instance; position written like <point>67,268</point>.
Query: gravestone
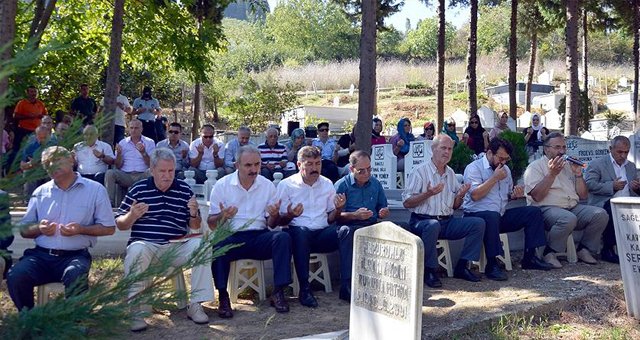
<point>386,285</point>
<point>524,120</point>
<point>460,117</point>
<point>487,117</point>
<point>511,123</point>
<point>586,150</point>
<point>627,225</point>
<point>419,152</point>
<point>384,165</point>
<point>544,78</point>
<point>553,119</point>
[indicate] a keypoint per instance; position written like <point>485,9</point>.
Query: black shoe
<point>431,279</point>
<point>534,262</point>
<point>224,307</point>
<point>610,256</point>
<point>494,272</point>
<point>345,293</point>
<point>465,274</point>
<point>279,302</point>
<point>307,299</point>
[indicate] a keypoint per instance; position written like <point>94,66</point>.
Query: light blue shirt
<point>84,202</point>
<point>149,105</point>
<point>327,147</point>
<point>181,162</point>
<point>230,151</point>
<point>478,172</point>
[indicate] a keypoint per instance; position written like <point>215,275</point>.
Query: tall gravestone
<point>386,284</point>
<point>419,152</point>
<point>384,165</point>
<point>626,219</point>
<point>586,150</point>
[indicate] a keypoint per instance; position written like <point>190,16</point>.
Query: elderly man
<point>365,203</point>
<point>179,147</point>
<point>432,194</point>
<point>556,186</point>
<point>132,160</point>
<point>146,108</point>
<point>122,108</point>
<point>273,155</point>
<point>92,155</point>
<point>491,188</point>
<point>247,201</point>
<point>609,177</point>
<point>206,153</point>
<point>62,234</point>
<point>231,149</point>
<point>84,106</point>
<point>329,148</point>
<point>143,210</point>
<point>31,158</point>
<point>309,206</point>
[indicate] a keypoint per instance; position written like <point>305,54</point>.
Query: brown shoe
<point>224,308</point>
<point>279,302</point>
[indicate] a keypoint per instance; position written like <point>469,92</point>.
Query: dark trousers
<point>149,129</point>
<point>256,245</point>
<point>99,177</point>
<point>454,228</point>
<point>330,170</point>
<point>345,241</point>
<point>609,233</point>
<point>304,242</point>
<point>38,267</point>
<point>529,218</point>
<point>118,133</point>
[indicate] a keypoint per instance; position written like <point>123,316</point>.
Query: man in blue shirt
<point>491,188</point>
<point>366,202</point>
<point>329,149</point>
<point>230,150</point>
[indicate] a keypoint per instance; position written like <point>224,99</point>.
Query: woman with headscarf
<point>376,133</point>
<point>475,136</point>
<point>401,140</point>
<point>429,132</point>
<point>295,143</point>
<point>449,128</point>
<point>501,126</point>
<point>535,134</point>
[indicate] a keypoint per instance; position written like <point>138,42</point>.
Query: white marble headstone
<point>419,152</point>
<point>487,117</point>
<point>384,165</point>
<point>627,225</point>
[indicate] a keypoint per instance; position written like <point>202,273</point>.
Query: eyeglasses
<point>473,122</point>
<point>557,147</point>
<point>207,137</point>
<point>503,159</point>
<point>323,130</point>
<point>363,171</point>
<point>174,132</point>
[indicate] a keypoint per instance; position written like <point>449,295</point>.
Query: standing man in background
<point>147,107</point>
<point>84,106</point>
<point>27,115</point>
<point>122,108</point>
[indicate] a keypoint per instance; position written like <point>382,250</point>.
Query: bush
<point>461,157</point>
<point>519,157</point>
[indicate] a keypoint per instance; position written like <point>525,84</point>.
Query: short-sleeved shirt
<point>181,163</point>
<point>85,202</point>
<point>317,200</point>
<point>34,149</point>
<point>132,160</point>
<point>88,163</point>
<point>25,108</point>
<point>150,105</point>
<point>120,113</point>
<point>272,155</point>
<point>563,189</point>
<point>230,151</point>
<point>207,161</point>
<point>252,204</point>
<point>327,147</point>
<point>478,172</point>
<point>370,195</point>
<point>84,106</point>
<point>426,175</point>
<point>168,214</point>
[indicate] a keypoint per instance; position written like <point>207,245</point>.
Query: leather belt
<point>433,217</point>
<point>59,252</point>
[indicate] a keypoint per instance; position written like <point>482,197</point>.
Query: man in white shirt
<point>206,153</point>
<point>132,160</point>
<point>309,206</point>
<point>608,177</point>
<point>92,155</point>
<point>248,202</point>
<point>122,108</point>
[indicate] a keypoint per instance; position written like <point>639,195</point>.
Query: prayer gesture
<point>432,191</point>
<point>463,190</point>
<point>383,213</point>
<point>340,201</point>
<point>47,228</point>
<point>295,211</point>
<point>228,212</point>
<point>274,209</point>
<point>518,191</point>
<point>363,214</point>
<point>70,229</point>
<point>618,184</point>
<point>140,147</point>
<point>137,210</point>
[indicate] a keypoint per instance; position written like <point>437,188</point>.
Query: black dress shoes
<point>431,279</point>
<point>494,272</point>
<point>465,274</point>
<point>307,299</point>
<point>535,263</point>
<point>279,302</point>
<point>610,256</point>
<point>345,293</point>
<point>224,308</point>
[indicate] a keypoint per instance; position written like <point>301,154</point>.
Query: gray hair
<point>439,139</point>
<point>246,149</point>
<point>356,155</point>
<point>620,140</point>
<point>161,154</point>
<point>244,129</point>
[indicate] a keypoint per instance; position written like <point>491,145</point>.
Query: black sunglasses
<point>174,132</point>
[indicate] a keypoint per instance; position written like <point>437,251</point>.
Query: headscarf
<point>537,128</point>
<point>295,134</point>
<point>426,126</point>
<point>500,125</point>
<point>373,131</point>
<point>406,137</point>
<point>452,134</point>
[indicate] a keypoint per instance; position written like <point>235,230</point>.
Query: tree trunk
<point>573,88</point>
<point>40,21</point>
<point>113,72</point>
<point>8,11</point>
<point>367,82</point>
<point>442,25</point>
<point>216,115</point>
<point>585,59</point>
<point>636,58</point>
<point>533,51</point>
<point>471,58</point>
<point>197,107</point>
<point>513,61</point>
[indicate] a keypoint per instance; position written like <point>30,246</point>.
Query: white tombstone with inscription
<point>586,150</point>
<point>384,165</point>
<point>386,285</point>
<point>419,152</point>
<point>626,212</point>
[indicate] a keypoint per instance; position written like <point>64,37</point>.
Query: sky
<point>416,10</point>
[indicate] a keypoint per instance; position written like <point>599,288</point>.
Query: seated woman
<point>429,132</point>
<point>400,141</point>
<point>500,127</point>
<point>296,142</point>
<point>449,128</point>
<point>535,134</point>
<point>475,136</point>
<point>376,133</point>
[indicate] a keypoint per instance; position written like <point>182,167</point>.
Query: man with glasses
<point>179,147</point>
<point>365,203</point>
<point>491,188</point>
<point>328,147</point>
<point>556,186</point>
<point>92,155</point>
<point>231,149</point>
<point>206,153</point>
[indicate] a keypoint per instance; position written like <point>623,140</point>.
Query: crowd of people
<point>328,193</point>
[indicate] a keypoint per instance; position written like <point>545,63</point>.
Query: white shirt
<point>425,175</point>
<point>622,173</point>
<point>206,163</point>
<point>317,200</point>
<point>496,199</point>
<point>119,112</point>
<point>132,160</point>
<point>88,163</point>
<point>252,204</point>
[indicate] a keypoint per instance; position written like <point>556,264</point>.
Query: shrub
<point>461,157</point>
<point>519,157</point>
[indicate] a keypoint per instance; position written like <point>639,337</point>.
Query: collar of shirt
<point>351,180</point>
<point>80,181</point>
<point>615,164</point>
<point>235,180</point>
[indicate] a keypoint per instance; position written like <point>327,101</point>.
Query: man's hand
<point>500,173</point>
<point>193,206</point>
<point>184,153</point>
<point>463,190</point>
<point>340,200</point>
<point>518,192</point>
<point>635,185</point>
<point>363,214</point>
<point>200,149</point>
<point>274,209</point>
<point>270,166</point>
<point>47,228</point>
<point>295,211</point>
<point>70,229</point>
<point>556,165</point>
<point>118,150</point>
<point>97,153</point>
<point>140,147</point>
<point>618,184</point>
<point>137,210</point>
<point>383,213</point>
<point>216,148</point>
<point>228,212</point>
<point>432,191</point>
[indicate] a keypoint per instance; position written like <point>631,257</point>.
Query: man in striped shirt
<point>273,155</point>
<point>159,209</point>
<point>432,194</point>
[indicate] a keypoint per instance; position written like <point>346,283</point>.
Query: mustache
<point>314,172</point>
<point>253,173</point>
